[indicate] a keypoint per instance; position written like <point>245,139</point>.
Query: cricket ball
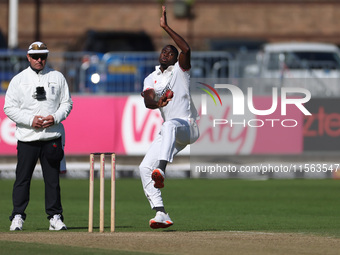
<point>169,94</point>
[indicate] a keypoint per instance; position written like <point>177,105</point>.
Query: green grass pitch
<point>293,206</point>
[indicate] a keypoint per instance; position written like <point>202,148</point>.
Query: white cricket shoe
<point>161,220</point>
<point>17,223</point>
<point>56,223</point>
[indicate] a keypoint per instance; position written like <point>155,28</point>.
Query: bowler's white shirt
<point>178,80</point>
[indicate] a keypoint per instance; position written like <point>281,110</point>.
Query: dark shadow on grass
<point>191,230</point>
<point>107,227</point>
<point>95,228</point>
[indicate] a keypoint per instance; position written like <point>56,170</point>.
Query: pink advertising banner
<point>123,125</point>
<point>283,134</point>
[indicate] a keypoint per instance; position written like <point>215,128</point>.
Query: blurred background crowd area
<point>207,25</point>
<point>87,37</point>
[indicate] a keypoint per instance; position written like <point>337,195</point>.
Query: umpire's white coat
<point>21,107</point>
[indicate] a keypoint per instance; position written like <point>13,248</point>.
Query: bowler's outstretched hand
<point>163,22</point>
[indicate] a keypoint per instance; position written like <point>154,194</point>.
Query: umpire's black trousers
<point>50,154</point>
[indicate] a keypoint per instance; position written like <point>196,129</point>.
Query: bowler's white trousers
<point>174,136</point>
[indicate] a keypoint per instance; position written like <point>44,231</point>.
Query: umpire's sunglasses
<point>37,56</point>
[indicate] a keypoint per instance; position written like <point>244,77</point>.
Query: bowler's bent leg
<point>148,164</point>
<point>175,137</point>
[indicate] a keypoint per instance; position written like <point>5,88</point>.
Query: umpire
<point>38,100</point>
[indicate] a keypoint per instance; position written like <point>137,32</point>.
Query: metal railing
<point>124,72</point>
<point>113,72</point>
